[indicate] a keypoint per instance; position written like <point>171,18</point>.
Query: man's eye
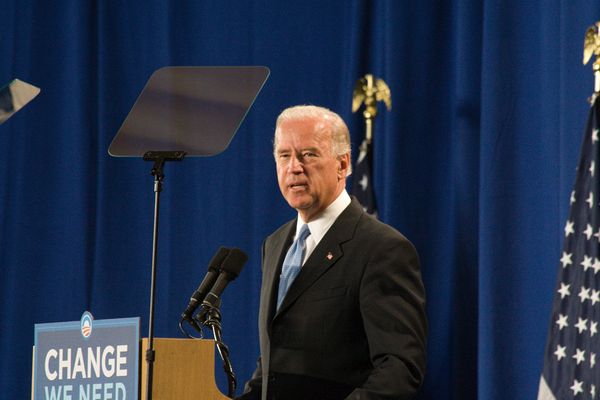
<point>308,154</point>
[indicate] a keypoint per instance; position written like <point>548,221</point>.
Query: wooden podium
<point>183,369</point>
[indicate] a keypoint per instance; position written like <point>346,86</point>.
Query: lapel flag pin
<point>329,256</point>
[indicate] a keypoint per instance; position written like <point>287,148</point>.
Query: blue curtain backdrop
<point>474,163</point>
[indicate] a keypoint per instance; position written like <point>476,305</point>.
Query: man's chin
<point>300,203</point>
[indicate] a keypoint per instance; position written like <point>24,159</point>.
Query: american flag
<point>362,182</point>
<point>573,346</point>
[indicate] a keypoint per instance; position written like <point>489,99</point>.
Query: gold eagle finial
<point>591,43</point>
<point>370,90</point>
<point>591,46</point>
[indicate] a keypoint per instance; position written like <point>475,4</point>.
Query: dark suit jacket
<point>352,324</point>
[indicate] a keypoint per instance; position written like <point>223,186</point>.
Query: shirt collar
<point>319,226</point>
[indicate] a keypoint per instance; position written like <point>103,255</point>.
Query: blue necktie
<point>292,263</point>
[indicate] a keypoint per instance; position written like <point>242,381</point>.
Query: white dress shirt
<point>319,226</point>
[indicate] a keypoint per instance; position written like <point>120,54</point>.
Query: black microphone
<point>230,269</point>
<point>207,282</point>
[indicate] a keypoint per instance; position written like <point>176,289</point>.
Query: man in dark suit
<point>350,322</point>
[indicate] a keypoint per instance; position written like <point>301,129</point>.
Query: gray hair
<point>333,123</point>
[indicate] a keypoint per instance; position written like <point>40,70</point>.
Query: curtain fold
<point>474,164</point>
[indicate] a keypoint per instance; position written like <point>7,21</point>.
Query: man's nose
<point>295,166</point>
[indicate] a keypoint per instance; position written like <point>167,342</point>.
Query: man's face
<point>310,177</point>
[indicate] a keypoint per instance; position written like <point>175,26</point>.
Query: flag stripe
<point>544,392</point>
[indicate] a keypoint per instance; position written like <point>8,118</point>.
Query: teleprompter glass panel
<point>15,96</point>
<point>192,109</point>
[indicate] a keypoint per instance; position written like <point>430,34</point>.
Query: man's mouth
<point>297,186</point>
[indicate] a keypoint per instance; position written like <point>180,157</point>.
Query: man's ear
<point>344,164</point>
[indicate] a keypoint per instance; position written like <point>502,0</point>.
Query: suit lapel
<point>324,256</point>
<point>273,252</point>
<point>274,256</point>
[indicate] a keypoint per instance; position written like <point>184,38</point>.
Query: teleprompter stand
<point>159,158</point>
<point>184,112</point>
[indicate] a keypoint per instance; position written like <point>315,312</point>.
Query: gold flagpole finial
<point>369,90</point>
<point>591,46</point>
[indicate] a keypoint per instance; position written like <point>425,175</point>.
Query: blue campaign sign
<point>87,359</point>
